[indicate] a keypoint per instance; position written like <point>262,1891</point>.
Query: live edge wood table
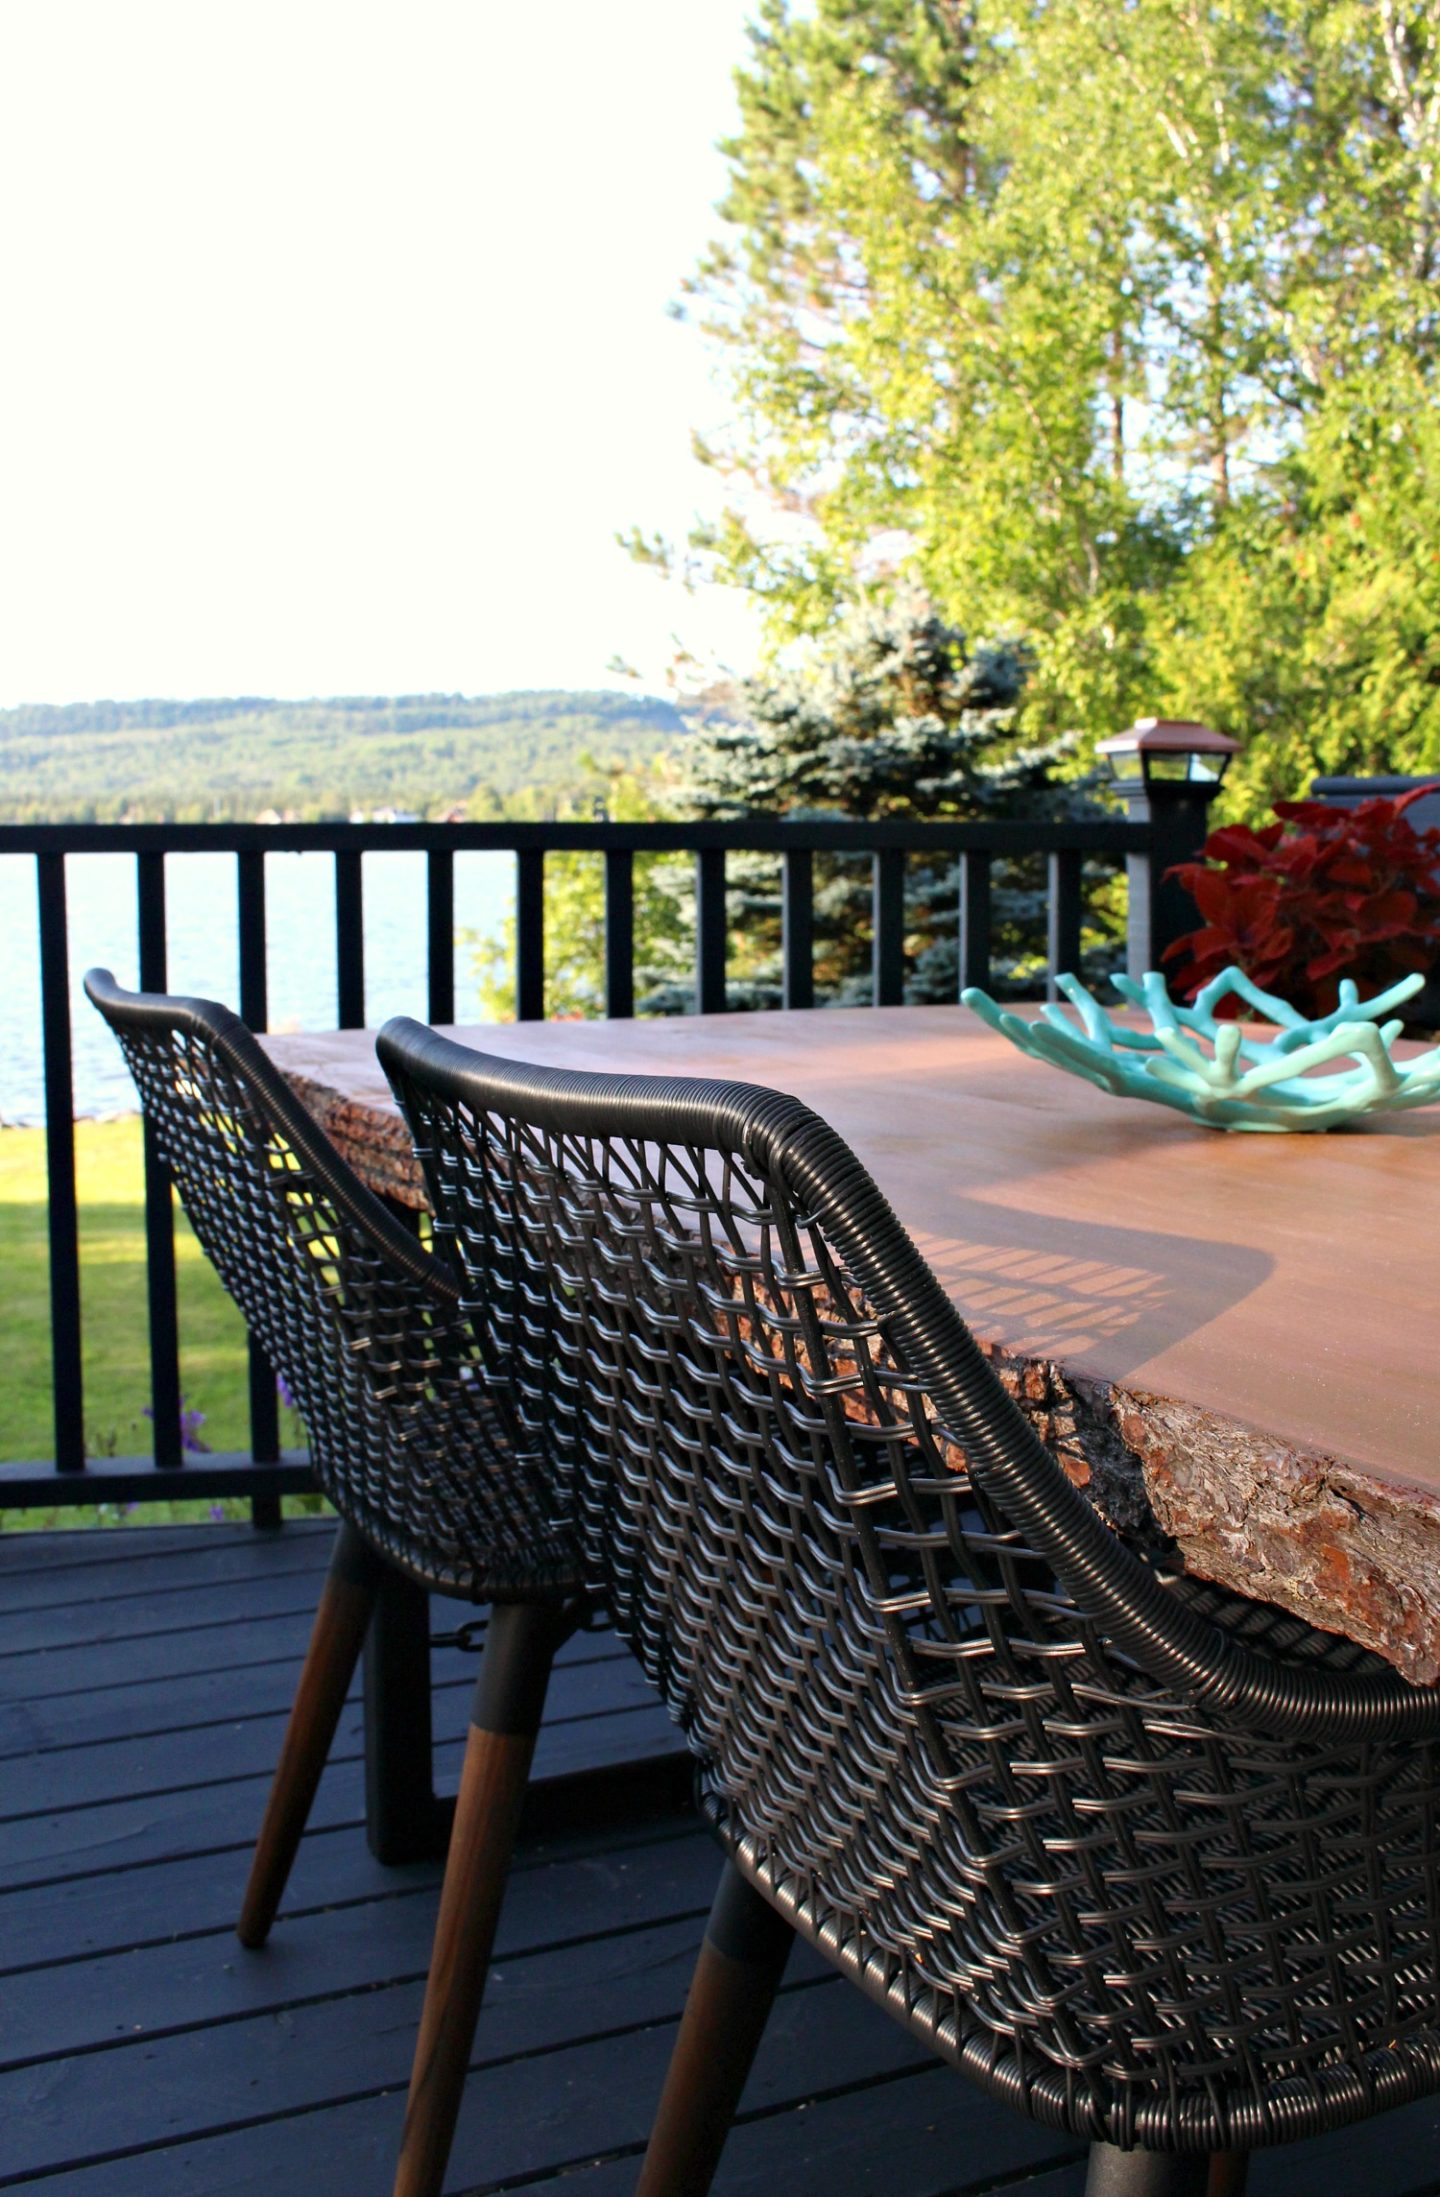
<point>1229,1340</point>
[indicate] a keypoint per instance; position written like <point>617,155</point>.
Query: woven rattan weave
<point>1157,1864</point>
<point>362,1323</point>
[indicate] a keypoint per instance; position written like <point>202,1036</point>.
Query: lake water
<point>204,955</point>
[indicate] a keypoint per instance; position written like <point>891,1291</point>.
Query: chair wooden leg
<point>1228,2173</point>
<point>1117,2173</point>
<point>736,1977</point>
<point>520,1647</point>
<point>346,1603</point>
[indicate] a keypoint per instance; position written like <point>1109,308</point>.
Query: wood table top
<point>1246,1322</point>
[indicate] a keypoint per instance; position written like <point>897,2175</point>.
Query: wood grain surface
<point>1229,1337</point>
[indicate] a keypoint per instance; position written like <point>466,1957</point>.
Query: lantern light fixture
<point>1173,750</point>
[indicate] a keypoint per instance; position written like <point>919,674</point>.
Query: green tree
<point>1312,618</point>
<point>575,908</point>
<point>892,715</point>
<point>1066,308</point>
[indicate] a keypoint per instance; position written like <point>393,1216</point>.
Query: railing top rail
<point>757,835</point>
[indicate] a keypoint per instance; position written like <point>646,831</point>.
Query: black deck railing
<point>263,1473</point>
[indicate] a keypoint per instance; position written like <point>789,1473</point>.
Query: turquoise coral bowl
<point>1220,1073</point>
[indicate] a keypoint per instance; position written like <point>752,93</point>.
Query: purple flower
<point>191,1421</point>
<point>217,1512</point>
<point>282,1390</point>
<point>192,1418</point>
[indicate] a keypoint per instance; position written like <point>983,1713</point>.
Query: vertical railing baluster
<point>255,1010</point>
<point>797,926</point>
<point>159,1201</point>
<point>619,933</point>
<point>887,962</point>
<point>975,919</point>
<point>349,938</point>
<point>66,1379</point>
<point>530,935</point>
<point>1063,919</point>
<point>710,995</point>
<point>250,929</point>
<point>440,933</point>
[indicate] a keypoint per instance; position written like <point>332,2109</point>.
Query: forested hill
<point>100,761</point>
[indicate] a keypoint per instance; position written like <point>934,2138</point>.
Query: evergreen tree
<point>894,715</point>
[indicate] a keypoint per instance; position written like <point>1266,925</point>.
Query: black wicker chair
<point>411,1443</point>
<point>1155,1863</point>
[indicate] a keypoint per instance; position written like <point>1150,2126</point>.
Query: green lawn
<point>116,1360</point>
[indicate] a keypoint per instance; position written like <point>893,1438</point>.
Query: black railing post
<point>1063,919</point>
<point>66,1377</point>
<point>710,996</point>
<point>797,926</point>
<point>975,919</point>
<point>159,1198</point>
<point>349,938</point>
<point>250,928</point>
<point>255,1010</point>
<point>887,960</point>
<point>440,933</point>
<point>619,933</point>
<point>530,935</point>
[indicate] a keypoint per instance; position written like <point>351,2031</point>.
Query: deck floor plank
<point>171,1570</point>
<point>223,1811</point>
<point>166,1901</point>
<point>143,2050</point>
<point>214,1643</point>
<point>246,1736</point>
<point>168,1985</point>
<point>24,1552</point>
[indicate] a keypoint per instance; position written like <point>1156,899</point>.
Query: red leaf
<point>1237,843</point>
<point>1321,892</point>
<point>1331,964</point>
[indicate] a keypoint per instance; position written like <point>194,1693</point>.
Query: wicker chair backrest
<point>935,1712</point>
<point>361,1323</point>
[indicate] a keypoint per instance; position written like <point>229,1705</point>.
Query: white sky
<point>336,346</point>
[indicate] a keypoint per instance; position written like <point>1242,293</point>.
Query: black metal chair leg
<point>403,1820</point>
<point>736,1977</point>
<point>1116,2173</point>
<point>347,1602</point>
<point>520,1647</point>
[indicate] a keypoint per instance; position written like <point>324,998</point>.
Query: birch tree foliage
<point>1087,315</point>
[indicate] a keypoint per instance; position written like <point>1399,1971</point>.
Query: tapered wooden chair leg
<point>736,1977</point>
<point>346,1603</point>
<point>1228,2173</point>
<point>520,1647</point>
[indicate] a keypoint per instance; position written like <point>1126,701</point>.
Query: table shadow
<point>1097,1298</point>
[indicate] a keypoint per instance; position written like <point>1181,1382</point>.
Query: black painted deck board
<point>24,1552</point>
<point>215,1642</point>
<point>126,1576</point>
<point>247,1738</point>
<point>200,1818</point>
<point>143,2050</point>
<point>171,1614</point>
<point>89,1917</point>
<point>326,1953</point>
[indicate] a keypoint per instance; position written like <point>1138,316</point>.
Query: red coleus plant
<point>1325,893</point>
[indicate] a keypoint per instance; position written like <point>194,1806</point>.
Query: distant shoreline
<point>237,760</point>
